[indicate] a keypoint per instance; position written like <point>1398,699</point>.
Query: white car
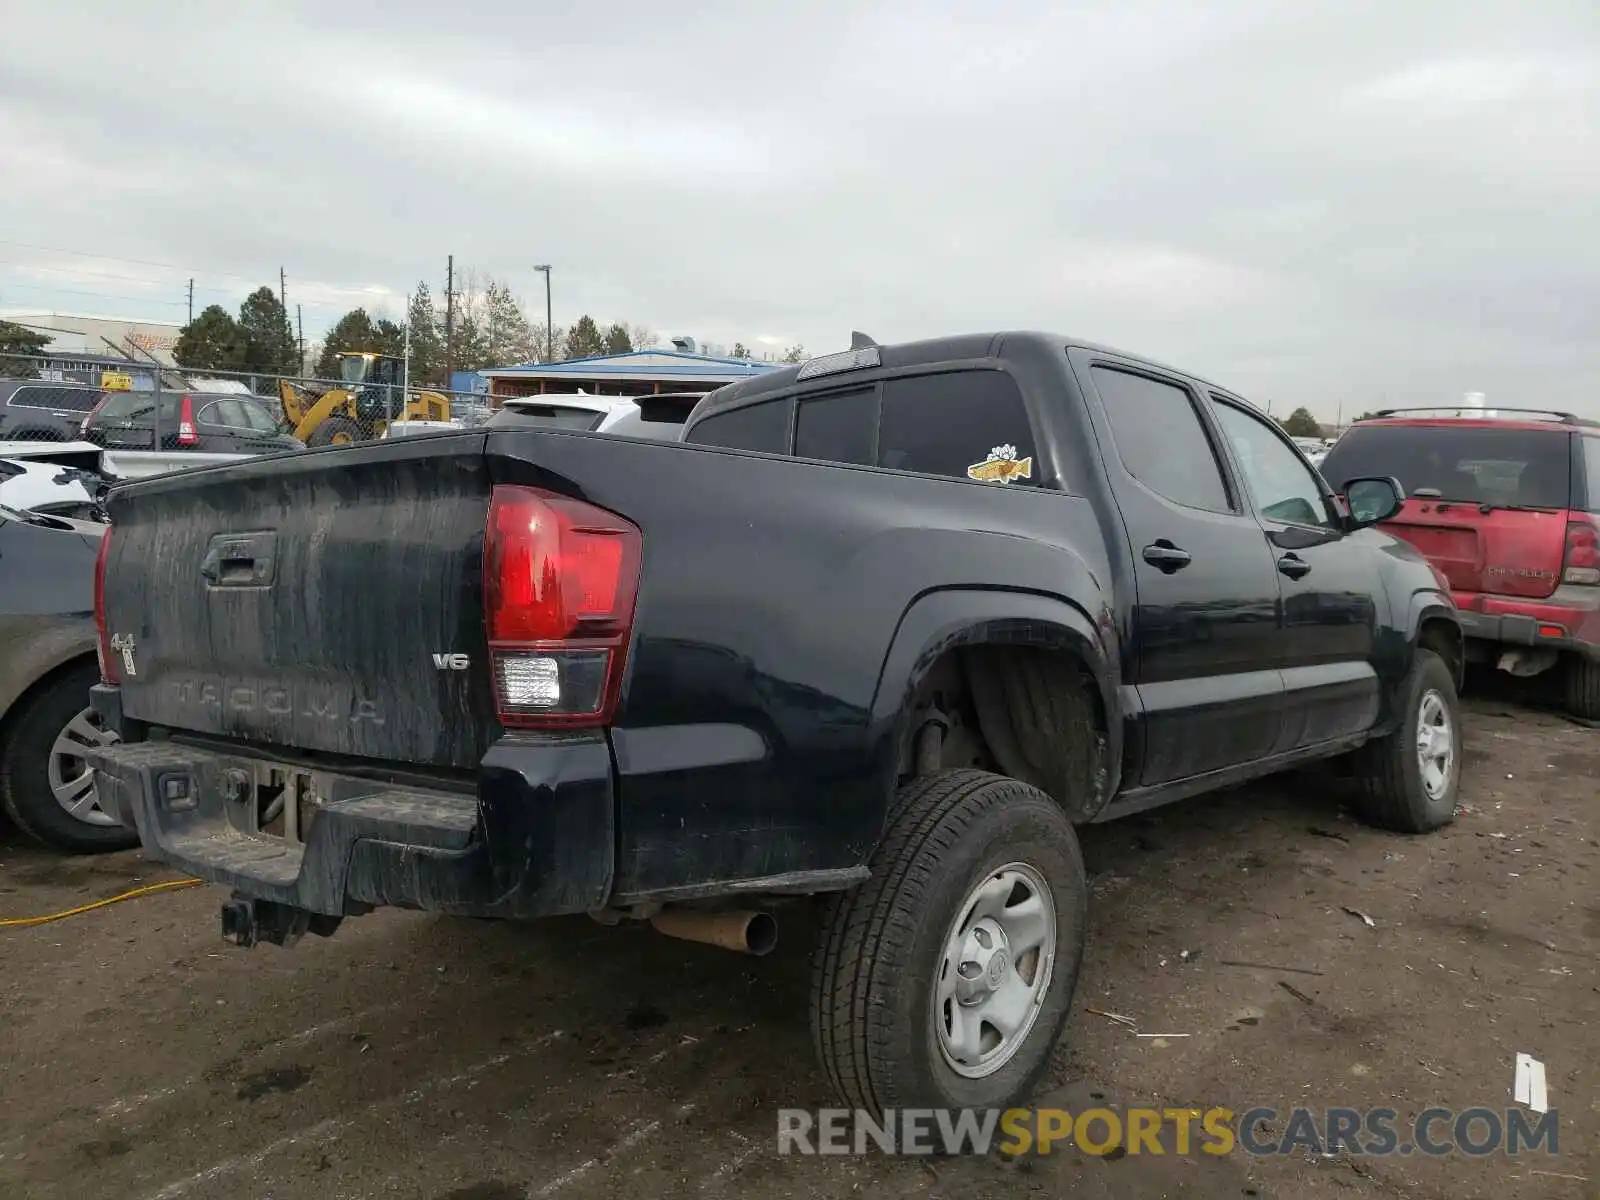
<point>657,417</point>
<point>407,428</point>
<point>43,487</point>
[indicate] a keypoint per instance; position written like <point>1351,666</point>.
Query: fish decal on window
<point>1002,466</point>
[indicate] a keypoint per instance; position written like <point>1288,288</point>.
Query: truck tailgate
<point>321,602</point>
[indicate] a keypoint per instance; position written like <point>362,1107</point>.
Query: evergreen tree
<point>507,337</point>
<point>584,340</point>
<point>427,342</point>
<point>617,340</point>
<point>353,331</point>
<point>269,342</point>
<point>212,341</point>
<point>24,343</point>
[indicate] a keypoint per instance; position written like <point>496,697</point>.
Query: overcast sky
<point>1318,202</point>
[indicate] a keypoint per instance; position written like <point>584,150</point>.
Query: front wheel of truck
<point>1407,782</point>
<point>944,980</point>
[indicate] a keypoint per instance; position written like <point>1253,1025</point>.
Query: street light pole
<point>549,327</point>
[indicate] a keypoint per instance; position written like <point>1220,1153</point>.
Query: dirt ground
<point>416,1057</point>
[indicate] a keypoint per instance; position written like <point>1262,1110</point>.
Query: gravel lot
<point>417,1057</point>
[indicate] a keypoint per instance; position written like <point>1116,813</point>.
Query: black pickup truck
<point>882,630</point>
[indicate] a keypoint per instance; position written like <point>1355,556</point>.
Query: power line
<point>12,262</point>
<point>143,262</point>
<point>254,280</point>
<point>51,288</point>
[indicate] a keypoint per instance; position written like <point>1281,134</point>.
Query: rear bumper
<point>535,839</point>
<point>1567,620</point>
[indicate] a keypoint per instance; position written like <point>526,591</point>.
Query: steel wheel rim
<point>70,777</point>
<point>1436,744</point>
<point>995,970</point>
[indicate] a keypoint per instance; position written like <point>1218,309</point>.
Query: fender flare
<point>1429,604</point>
<point>939,621</point>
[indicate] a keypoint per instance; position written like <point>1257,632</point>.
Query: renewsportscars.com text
<point>1372,1132</point>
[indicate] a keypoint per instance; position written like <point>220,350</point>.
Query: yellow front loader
<point>372,395</point>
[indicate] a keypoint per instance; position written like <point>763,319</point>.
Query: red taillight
<point>560,577</point>
<point>1582,560</point>
<point>186,433</point>
<point>108,663</point>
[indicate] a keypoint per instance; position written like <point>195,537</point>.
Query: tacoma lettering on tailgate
<point>319,704</point>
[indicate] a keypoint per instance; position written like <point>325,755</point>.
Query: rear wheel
<point>945,980</point>
<point>336,431</point>
<point>45,785</point>
<point>1408,780</point>
<point>1583,687</point>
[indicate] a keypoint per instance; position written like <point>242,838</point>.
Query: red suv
<point>1505,506</point>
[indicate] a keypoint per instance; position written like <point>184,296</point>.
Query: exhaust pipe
<point>744,931</point>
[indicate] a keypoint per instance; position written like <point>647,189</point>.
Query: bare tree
<point>541,341</point>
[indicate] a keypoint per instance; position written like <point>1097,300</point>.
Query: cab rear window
<point>1525,468</point>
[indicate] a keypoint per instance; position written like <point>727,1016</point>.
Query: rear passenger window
<point>964,424</point>
<point>837,428</point>
<point>62,399</point>
<point>1160,439</point>
<point>763,427</point>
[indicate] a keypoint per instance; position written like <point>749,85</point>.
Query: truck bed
<point>297,607</point>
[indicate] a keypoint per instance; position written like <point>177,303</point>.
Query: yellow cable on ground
<point>171,884</point>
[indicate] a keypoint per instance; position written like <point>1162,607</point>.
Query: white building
<point>74,334</point>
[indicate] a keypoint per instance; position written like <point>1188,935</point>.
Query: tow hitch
<point>245,922</point>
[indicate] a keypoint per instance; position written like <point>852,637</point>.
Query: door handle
<point>1294,566</point>
<point>1165,557</point>
<point>240,560</point>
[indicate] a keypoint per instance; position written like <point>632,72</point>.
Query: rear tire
<point>34,762</point>
<point>886,949</point>
<point>1583,687</point>
<point>1408,781</point>
<point>336,431</point>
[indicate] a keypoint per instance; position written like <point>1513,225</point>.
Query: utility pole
<point>549,327</point>
<point>449,320</point>
<point>191,302</point>
<point>300,324</point>
<point>283,291</point>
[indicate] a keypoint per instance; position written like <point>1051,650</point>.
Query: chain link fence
<point>129,405</point>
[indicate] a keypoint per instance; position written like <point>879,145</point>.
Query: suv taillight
<point>186,433</point>
<point>1582,561</point>
<point>108,663</point>
<point>560,578</point>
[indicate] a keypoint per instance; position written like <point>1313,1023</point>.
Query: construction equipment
<point>373,394</point>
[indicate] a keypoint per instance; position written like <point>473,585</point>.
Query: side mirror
<point>1373,500</point>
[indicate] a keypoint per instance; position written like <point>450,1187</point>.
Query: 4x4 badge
<point>124,643</point>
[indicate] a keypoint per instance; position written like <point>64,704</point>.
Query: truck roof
<point>952,348</point>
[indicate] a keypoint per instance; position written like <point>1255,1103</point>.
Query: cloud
<point>1327,203</point>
